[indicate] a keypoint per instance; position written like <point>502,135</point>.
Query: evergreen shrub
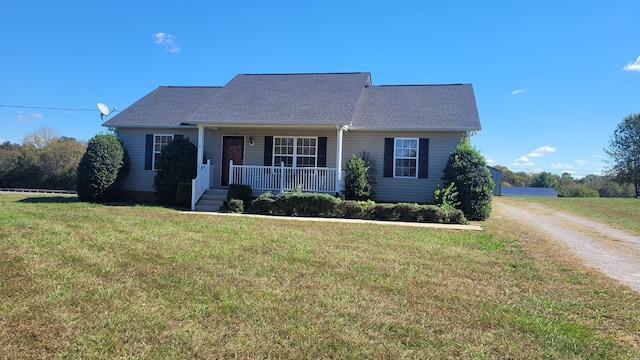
<point>101,170</point>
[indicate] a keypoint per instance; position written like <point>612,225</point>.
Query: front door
<point>232,149</point>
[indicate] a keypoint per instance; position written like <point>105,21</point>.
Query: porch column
<point>200,147</point>
<point>339,158</point>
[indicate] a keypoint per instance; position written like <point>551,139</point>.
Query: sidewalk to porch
<point>471,227</point>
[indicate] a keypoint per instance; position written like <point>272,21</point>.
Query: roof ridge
<point>192,86</point>
<point>310,73</point>
<point>392,85</point>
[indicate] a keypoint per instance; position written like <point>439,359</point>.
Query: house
<point>278,132</point>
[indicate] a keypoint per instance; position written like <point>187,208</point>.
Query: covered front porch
<point>274,159</point>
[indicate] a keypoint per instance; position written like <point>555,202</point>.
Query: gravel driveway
<point>611,251</point>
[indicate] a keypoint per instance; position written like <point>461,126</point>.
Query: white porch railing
<point>281,178</point>
<point>200,184</point>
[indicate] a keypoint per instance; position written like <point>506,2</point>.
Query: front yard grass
<point>82,280</point>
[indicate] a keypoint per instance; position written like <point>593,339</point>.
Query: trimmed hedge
<point>240,192</point>
<point>325,205</point>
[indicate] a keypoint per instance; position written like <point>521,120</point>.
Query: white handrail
<point>200,184</point>
<point>282,178</point>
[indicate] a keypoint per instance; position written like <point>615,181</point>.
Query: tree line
<point>589,186</point>
<point>44,160</point>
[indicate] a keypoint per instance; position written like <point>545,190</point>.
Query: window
<point>405,158</point>
<point>301,151</point>
<point>159,142</point>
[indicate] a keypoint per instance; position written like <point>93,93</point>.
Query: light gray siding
<point>140,179</point>
<point>441,144</point>
<point>254,155</point>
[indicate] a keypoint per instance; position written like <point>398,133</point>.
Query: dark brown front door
<point>232,149</point>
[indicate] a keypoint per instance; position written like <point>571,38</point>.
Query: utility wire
<point>46,108</point>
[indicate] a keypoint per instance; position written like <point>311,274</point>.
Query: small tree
<point>177,164</point>
<point>467,169</point>
<point>357,180</point>
<point>624,152</point>
<point>103,166</point>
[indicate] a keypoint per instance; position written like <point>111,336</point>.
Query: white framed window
<point>159,142</point>
<point>298,151</point>
<point>405,158</point>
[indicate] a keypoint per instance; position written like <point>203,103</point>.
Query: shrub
<point>407,211</point>
<point>262,204</point>
<point>177,164</point>
<point>304,204</point>
<point>467,169</point>
<point>383,212</point>
<point>103,166</point>
<point>183,194</point>
<point>359,179</point>
<point>349,209</point>
<point>446,198</point>
<point>241,192</point>
<point>235,205</point>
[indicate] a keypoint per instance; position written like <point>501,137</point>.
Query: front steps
<point>211,200</point>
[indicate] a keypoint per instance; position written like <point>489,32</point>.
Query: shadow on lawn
<point>68,200</point>
<point>49,200</point>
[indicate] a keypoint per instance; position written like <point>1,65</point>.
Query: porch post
<point>339,159</point>
<point>200,147</point>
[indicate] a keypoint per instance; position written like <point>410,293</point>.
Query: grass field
<point>623,214</point>
<point>83,280</point>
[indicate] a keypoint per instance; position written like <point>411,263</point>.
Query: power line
<point>47,108</point>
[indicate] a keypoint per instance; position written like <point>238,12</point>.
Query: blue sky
<point>552,79</point>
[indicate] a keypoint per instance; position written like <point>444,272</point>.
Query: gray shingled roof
<point>435,107</point>
<point>307,99</point>
<point>166,106</point>
<point>285,99</point>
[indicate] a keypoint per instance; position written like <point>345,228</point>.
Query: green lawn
<point>82,280</point>
<point>623,214</point>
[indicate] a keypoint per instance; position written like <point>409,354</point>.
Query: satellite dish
<point>104,109</point>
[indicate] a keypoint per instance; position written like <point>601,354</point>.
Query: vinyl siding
<point>441,144</point>
<point>140,179</point>
<point>254,155</point>
<point>390,189</point>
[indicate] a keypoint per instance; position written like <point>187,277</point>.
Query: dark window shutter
<point>322,152</point>
<point>148,152</point>
<point>177,136</point>
<point>388,157</point>
<point>268,151</point>
<point>423,159</point>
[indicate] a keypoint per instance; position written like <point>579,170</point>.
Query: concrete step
<point>211,200</point>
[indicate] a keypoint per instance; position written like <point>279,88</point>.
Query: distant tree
<point>623,152</point>
<point>177,164</point>
<point>467,169</point>
<point>40,137</point>
<point>101,170</point>
<point>59,160</point>
<point>545,180</point>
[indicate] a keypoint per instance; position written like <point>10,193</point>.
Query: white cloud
<point>561,166</point>
<point>582,162</point>
<point>25,118</point>
<point>541,150</point>
<point>633,67</point>
<point>2,141</point>
<point>522,161</point>
<point>518,91</point>
<point>168,40</point>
